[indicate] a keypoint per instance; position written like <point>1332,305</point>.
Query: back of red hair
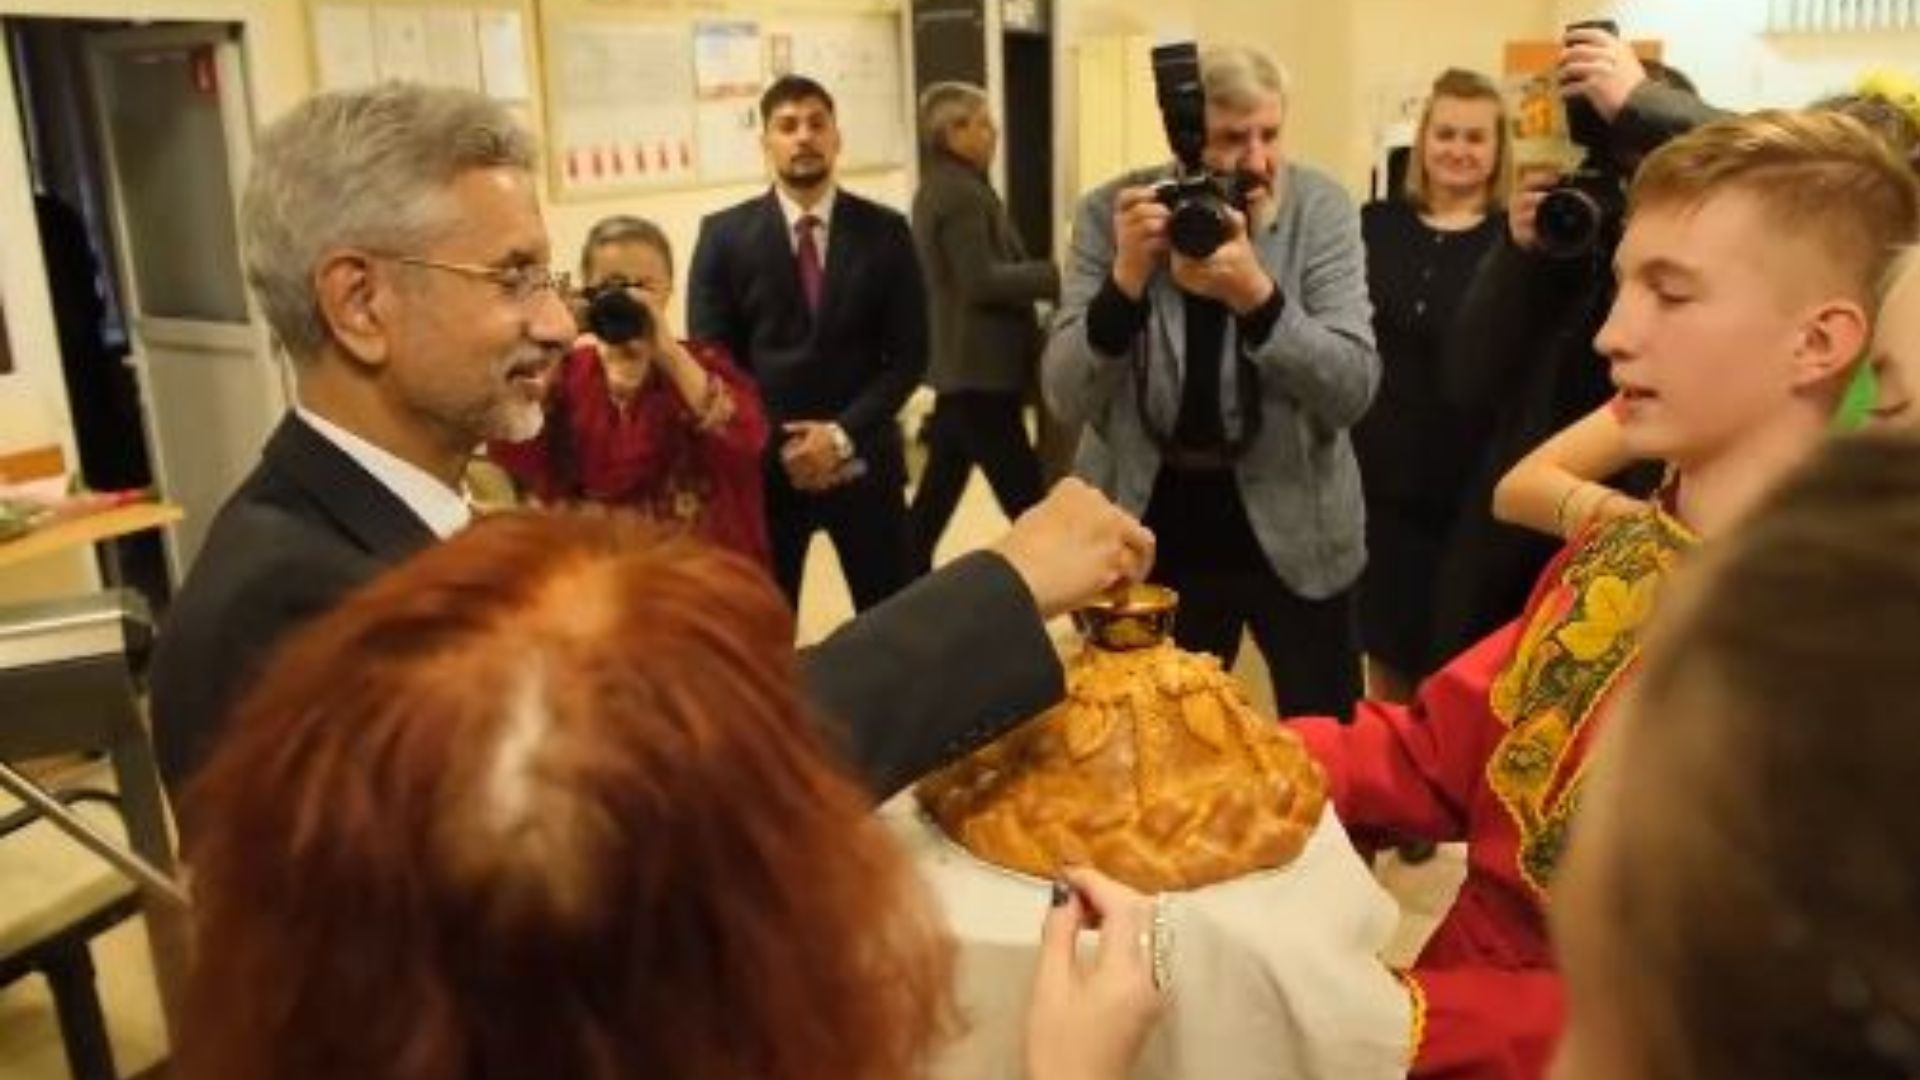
<point>545,802</point>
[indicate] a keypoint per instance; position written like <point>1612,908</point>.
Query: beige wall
<point>1106,122</point>
<point>1399,46</point>
<point>1722,45</point>
<point>1352,64</point>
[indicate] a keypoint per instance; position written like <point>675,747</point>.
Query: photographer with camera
<point>1522,344</point>
<point>637,417</point>
<point>1215,336</point>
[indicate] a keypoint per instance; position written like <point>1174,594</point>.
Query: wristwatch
<point>842,442</point>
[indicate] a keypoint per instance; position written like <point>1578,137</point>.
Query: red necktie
<point>807,254</point>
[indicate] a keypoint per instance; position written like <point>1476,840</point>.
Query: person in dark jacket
<point>981,289</point>
<point>1416,450</point>
<point>1522,344</point>
<point>100,388</point>
<point>816,293</point>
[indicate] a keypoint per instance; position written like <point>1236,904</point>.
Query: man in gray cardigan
<point>1217,392</point>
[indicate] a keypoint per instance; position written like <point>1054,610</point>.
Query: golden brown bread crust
<point>1154,769</point>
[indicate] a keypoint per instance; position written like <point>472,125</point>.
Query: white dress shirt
<point>822,210</point>
<point>439,506</point>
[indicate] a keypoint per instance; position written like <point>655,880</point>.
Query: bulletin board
<point>650,98</point>
<point>619,102</point>
<point>477,44</point>
<point>857,58</point>
<point>636,95</point>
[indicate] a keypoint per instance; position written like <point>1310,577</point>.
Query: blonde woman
<point>1417,450</point>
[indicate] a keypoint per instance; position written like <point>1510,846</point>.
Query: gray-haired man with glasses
<point>395,243</point>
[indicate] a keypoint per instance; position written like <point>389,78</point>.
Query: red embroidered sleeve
<point>745,433</point>
<point>1410,770</point>
<point>1486,1023</point>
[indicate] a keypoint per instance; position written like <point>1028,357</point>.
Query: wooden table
<point>66,718</point>
<point>88,529</point>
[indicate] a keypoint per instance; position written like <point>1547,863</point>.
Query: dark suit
<point>853,362</point>
<point>986,346</point>
<point>310,524</point>
<point>982,285</point>
<point>305,527</point>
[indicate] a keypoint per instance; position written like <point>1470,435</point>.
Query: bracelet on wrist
<point>1608,498</point>
<point>1162,946</point>
<point>1590,512</point>
<point>1560,508</point>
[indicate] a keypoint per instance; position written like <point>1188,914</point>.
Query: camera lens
<point>1567,222</point>
<point>616,318</point>
<point>1197,228</point>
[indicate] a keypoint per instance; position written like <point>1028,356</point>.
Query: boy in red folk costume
<point>1746,275</point>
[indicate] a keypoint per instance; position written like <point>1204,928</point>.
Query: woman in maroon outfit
<point>667,427</point>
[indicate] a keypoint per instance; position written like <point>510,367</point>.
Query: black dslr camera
<point>1198,198</point>
<point>614,316</point>
<point>1583,212</point>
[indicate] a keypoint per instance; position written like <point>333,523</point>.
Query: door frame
<point>147,334</point>
<point>31,335</point>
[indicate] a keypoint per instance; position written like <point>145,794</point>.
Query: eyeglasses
<point>522,283</point>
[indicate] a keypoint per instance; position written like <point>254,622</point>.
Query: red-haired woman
<point>572,820</point>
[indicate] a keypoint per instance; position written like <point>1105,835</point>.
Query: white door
<point>176,136</point>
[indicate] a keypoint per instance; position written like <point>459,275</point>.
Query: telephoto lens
<point>1581,215</point>
<point>1567,223</point>
<point>615,317</point>
<point>1201,205</point>
<point>1198,226</point>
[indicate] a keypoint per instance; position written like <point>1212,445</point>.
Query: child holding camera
<point>639,418</point>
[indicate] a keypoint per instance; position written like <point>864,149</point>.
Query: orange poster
<point>1537,116</point>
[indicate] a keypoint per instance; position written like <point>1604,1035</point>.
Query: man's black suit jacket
<point>857,359</point>
<point>310,524</point>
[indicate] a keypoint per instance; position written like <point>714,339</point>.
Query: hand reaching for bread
<point>1074,545</point>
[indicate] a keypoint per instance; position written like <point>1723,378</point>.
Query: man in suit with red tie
<point>817,293</point>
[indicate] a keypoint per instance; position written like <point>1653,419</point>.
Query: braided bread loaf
<point>1155,770</point>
